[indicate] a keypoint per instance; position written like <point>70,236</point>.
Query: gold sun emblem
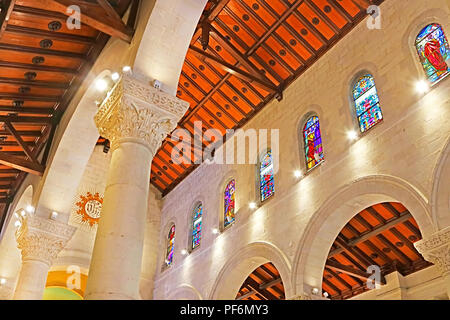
<point>89,208</point>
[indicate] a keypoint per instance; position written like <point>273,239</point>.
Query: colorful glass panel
<point>313,143</point>
<point>367,103</point>
<point>229,203</point>
<point>267,187</point>
<point>197,226</point>
<point>170,246</point>
<point>434,52</point>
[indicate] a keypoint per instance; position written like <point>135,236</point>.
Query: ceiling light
<point>422,86</point>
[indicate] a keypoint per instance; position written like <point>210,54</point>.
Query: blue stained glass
<point>367,103</point>
<point>267,187</point>
<point>170,246</point>
<point>434,52</point>
<point>313,143</point>
<point>197,226</point>
<point>229,203</point>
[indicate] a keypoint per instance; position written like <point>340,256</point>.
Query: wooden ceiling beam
<point>19,30</point>
<point>8,126</point>
<point>228,67</point>
<point>28,97</point>
<point>95,18</point>
<point>21,164</point>
<point>36,67</point>
<point>40,51</point>
<point>209,18</point>
<point>5,13</point>
<point>336,266</point>
<point>26,119</point>
<point>31,110</point>
<point>34,83</point>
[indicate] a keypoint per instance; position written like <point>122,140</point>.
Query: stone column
<point>40,240</point>
<point>436,249</point>
<point>136,118</point>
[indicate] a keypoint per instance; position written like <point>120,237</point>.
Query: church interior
<point>224,150</point>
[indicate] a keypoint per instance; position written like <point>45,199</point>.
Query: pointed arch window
<point>434,52</point>
<point>367,103</point>
<point>313,143</point>
<point>229,203</point>
<point>197,226</point>
<point>267,188</point>
<point>170,246</point>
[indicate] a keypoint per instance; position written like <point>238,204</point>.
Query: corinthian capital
<point>42,239</point>
<point>436,249</point>
<point>136,111</point>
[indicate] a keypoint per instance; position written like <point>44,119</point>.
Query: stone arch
<point>243,263</point>
<point>332,216</point>
<point>440,197</point>
<point>185,292</point>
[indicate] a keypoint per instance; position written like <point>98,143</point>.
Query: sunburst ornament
<point>89,208</point>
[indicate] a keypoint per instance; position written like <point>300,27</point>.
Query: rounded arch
<point>328,221</point>
<point>185,292</point>
<point>243,263</point>
<point>190,223</point>
<point>440,198</point>
<point>220,190</point>
<point>164,244</point>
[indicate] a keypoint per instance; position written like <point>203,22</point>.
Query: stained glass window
<point>367,104</point>
<point>229,203</point>
<point>313,143</point>
<point>266,176</point>
<point>170,246</point>
<point>197,226</point>
<point>434,52</point>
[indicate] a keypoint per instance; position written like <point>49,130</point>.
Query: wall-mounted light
<point>30,209</point>
<point>215,231</point>
<point>17,224</point>
<point>115,76</point>
<point>325,294</point>
<point>352,135</point>
<point>252,205</point>
<point>126,69</point>
<point>422,86</point>
<point>184,252</point>
<point>54,215</point>
<point>298,174</point>
<point>2,281</point>
<point>101,85</point>
<point>315,291</point>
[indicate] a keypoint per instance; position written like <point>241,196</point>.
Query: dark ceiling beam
<point>8,126</point>
<point>5,13</point>
<point>36,67</point>
<point>40,51</point>
<point>336,266</point>
<point>30,110</point>
<point>228,67</point>
<point>405,216</point>
<point>21,164</point>
<point>23,133</point>
<point>26,119</point>
<point>96,17</point>
<point>210,16</point>
<point>28,97</point>
<point>49,34</point>
<point>34,83</point>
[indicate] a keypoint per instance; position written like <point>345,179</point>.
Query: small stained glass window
<point>170,246</point>
<point>367,103</point>
<point>313,143</point>
<point>229,203</point>
<point>267,187</point>
<point>434,52</point>
<point>197,226</point>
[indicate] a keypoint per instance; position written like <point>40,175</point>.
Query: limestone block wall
<point>397,160</point>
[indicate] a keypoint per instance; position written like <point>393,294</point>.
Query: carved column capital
<point>436,249</point>
<point>135,111</point>
<point>42,239</point>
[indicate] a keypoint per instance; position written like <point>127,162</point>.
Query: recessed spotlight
<point>352,135</point>
<point>422,86</point>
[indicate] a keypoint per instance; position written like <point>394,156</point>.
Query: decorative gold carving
<point>89,208</point>
<point>138,111</point>
<point>436,249</point>
<point>42,239</point>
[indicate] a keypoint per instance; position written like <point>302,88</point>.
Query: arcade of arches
<point>121,167</point>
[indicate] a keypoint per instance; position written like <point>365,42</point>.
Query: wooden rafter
<point>5,13</point>
<point>336,266</point>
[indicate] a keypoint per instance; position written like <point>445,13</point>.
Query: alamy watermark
<point>374,19</point>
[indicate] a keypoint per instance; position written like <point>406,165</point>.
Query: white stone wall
<point>394,161</point>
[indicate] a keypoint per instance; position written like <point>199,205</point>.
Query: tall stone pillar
<point>136,118</point>
<point>436,249</point>
<point>40,240</point>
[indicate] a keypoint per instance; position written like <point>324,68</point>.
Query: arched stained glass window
<point>267,187</point>
<point>367,104</point>
<point>170,246</point>
<point>434,52</point>
<point>197,226</point>
<point>229,203</point>
<point>313,143</point>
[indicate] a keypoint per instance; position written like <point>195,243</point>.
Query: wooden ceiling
<point>262,284</point>
<point>243,54</point>
<point>381,235</point>
<point>42,64</point>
